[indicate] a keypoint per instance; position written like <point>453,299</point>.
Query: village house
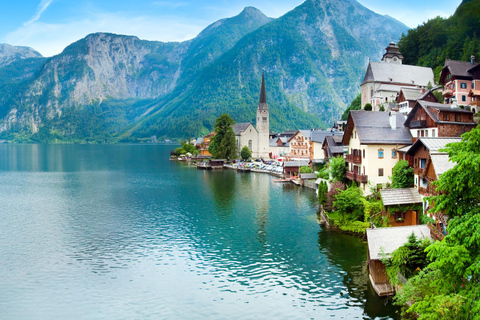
<point>383,80</point>
<point>317,140</point>
<point>407,98</point>
<point>333,146</point>
<point>382,242</point>
<point>429,162</point>
<point>300,144</point>
<point>399,206</point>
<point>373,139</point>
<point>431,119</point>
<point>279,147</point>
<point>461,81</point>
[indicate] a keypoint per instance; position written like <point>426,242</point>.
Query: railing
<point>418,124</point>
<point>447,92</point>
<point>360,178</point>
<point>351,158</point>
<point>419,171</point>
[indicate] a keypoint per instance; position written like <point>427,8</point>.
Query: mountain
<point>9,54</point>
<point>438,39</point>
<point>113,85</point>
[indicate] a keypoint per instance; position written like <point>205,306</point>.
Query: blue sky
<point>50,25</point>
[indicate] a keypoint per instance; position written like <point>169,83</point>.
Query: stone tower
<point>263,126</point>
<point>393,54</point>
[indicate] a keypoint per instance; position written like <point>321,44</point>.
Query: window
<point>418,133</point>
<point>399,216</point>
<point>423,163</point>
<point>426,133</point>
<point>445,117</point>
<point>380,172</point>
<point>433,133</point>
<point>250,144</point>
<point>464,97</point>
<point>463,85</point>
<point>363,153</point>
<point>394,153</point>
<point>423,133</point>
<point>380,153</point>
<point>355,134</point>
<point>473,84</point>
<point>416,162</point>
<point>458,117</point>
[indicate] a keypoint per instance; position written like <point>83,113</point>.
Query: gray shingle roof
<point>296,163</point>
<point>390,239</point>
<point>238,128</point>
<point>411,94</point>
<point>398,73</point>
<point>441,163</point>
<point>430,108</point>
<point>435,144</point>
<point>459,68</point>
<point>373,127</point>
<point>392,197</point>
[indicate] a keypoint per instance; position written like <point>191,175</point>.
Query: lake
<point>121,232</point>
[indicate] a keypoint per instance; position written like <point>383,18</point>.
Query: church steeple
<point>263,93</point>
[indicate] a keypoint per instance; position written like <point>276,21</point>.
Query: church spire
<point>263,94</point>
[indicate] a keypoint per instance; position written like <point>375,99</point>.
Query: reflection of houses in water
<point>260,189</point>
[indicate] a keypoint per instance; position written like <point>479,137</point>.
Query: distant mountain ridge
<point>113,85</point>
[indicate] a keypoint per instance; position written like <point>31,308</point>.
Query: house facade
<point>373,139</point>
<point>461,81</point>
<point>300,144</point>
<point>430,119</point>
<point>429,162</point>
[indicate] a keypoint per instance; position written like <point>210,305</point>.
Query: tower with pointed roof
<point>393,54</point>
<point>263,123</point>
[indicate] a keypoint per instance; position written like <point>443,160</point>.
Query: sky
<point>48,26</point>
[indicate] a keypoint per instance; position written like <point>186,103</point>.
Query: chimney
<point>472,59</point>
<point>393,120</point>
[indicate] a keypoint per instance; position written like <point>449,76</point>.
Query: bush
<point>323,174</point>
<point>349,204</point>
<point>368,107</point>
<point>334,190</point>
<point>322,193</point>
<point>245,153</point>
<point>306,169</point>
<point>403,176</point>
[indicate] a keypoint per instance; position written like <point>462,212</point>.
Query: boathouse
<point>400,204</point>
<point>382,242</point>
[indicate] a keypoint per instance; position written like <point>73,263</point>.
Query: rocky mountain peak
<point>9,53</point>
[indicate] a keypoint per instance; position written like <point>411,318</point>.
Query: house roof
<point>387,240</point>
<point>441,163</point>
<point>373,127</point>
<point>432,144</point>
<point>411,93</point>
<point>295,163</point>
<point>404,149</point>
<point>305,133</point>
<point>391,197</point>
<point>320,135</point>
<point>458,69</point>
<point>238,128</point>
<point>432,108</point>
<point>398,74</point>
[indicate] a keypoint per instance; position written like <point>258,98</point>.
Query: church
<point>256,138</point>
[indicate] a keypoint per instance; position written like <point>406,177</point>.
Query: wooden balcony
<point>447,92</point>
<point>419,172</point>
<point>351,158</point>
<point>360,178</point>
<point>418,124</point>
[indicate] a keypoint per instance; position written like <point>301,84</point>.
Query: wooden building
<point>398,205</point>
<point>292,168</point>
<point>429,162</point>
<point>383,242</point>
<point>430,119</point>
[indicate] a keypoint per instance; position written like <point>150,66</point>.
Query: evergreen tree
<point>245,153</point>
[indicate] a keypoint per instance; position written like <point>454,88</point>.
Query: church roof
<point>238,128</point>
<point>398,74</point>
<point>262,103</point>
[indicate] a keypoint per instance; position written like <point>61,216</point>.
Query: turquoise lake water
<point>121,232</point>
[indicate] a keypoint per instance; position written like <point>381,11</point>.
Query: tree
<point>382,108</point>
<point>337,169</point>
<point>449,288</point>
<point>335,188</point>
<point>402,176</point>
<point>349,204</point>
<point>322,192</point>
<point>368,107</point>
<point>306,169</point>
<point>245,153</point>
<point>223,144</point>
<point>355,105</point>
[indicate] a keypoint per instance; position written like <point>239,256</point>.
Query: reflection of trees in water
<point>223,186</point>
<point>350,253</point>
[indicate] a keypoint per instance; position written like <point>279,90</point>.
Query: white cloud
<point>170,4</point>
<point>51,39</point>
<point>41,8</point>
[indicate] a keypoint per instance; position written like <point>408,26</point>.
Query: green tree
<point>355,105</point>
<point>245,153</point>
<point>223,144</point>
<point>402,176</point>
<point>449,288</point>
<point>322,192</point>
<point>337,169</point>
<point>349,204</point>
<point>368,107</point>
<point>306,169</point>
